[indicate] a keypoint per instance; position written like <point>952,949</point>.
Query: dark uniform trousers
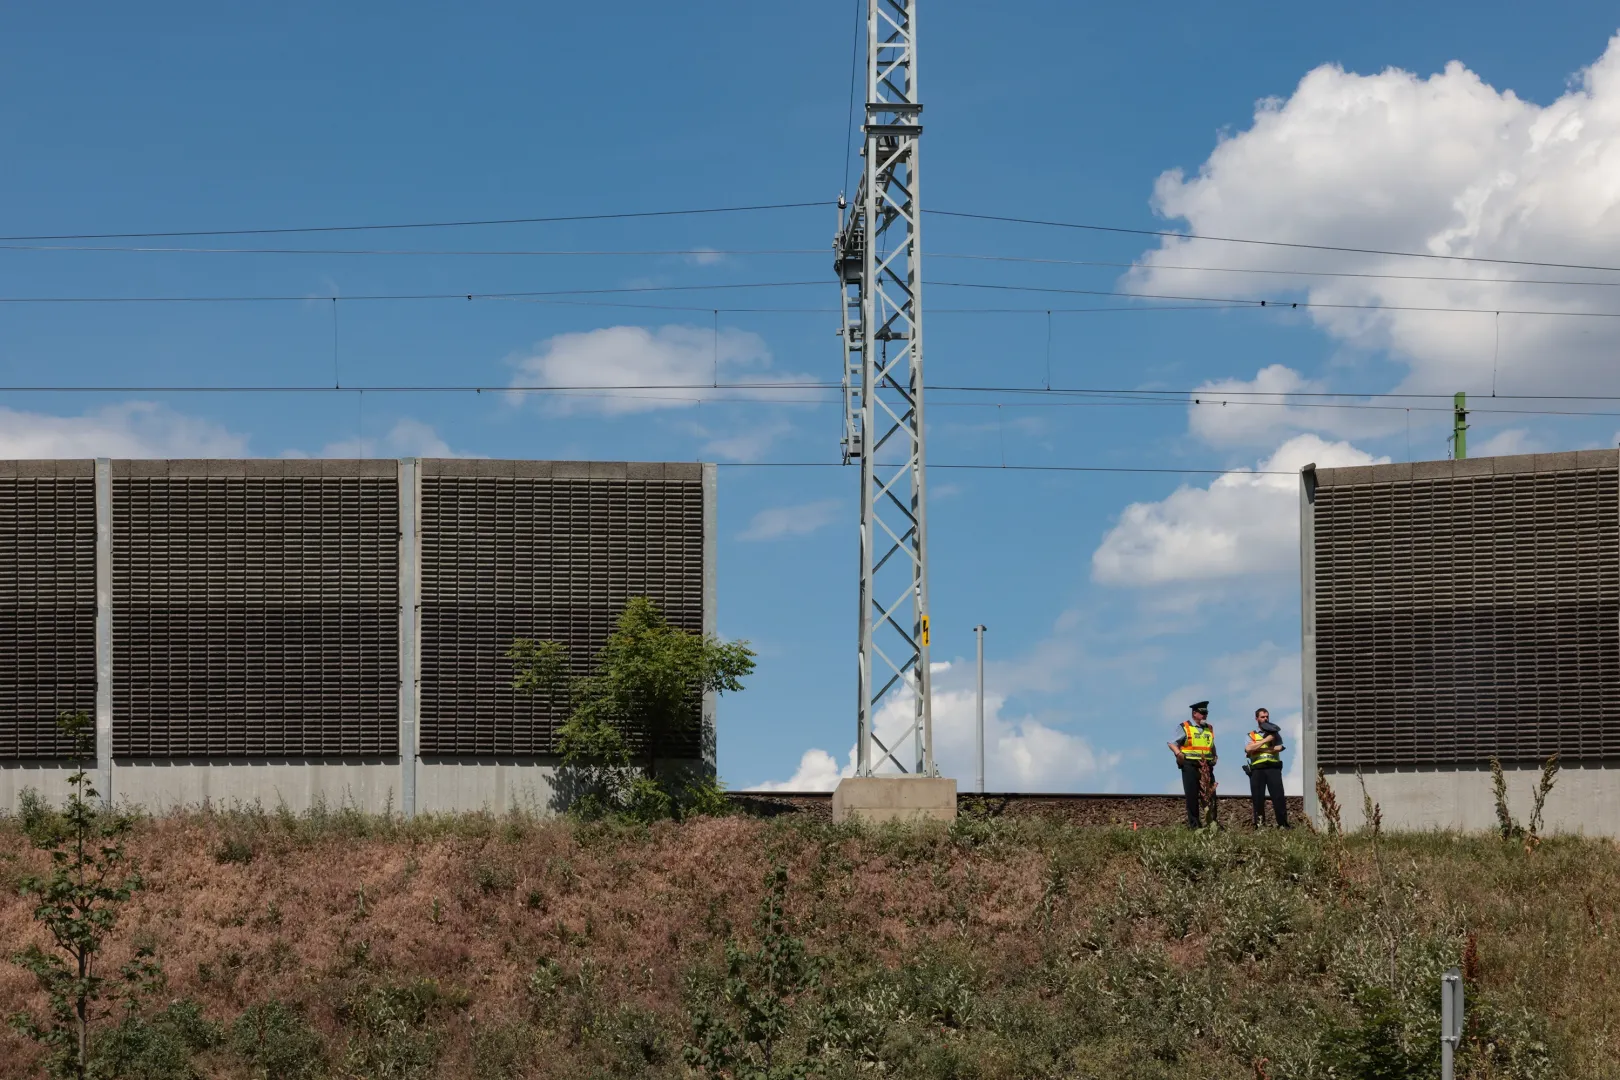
<point>1192,786</point>
<point>1265,779</point>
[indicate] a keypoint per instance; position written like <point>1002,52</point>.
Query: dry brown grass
<point>321,911</point>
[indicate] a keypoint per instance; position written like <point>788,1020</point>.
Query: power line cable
<point>559,218</point>
<point>557,253</point>
<point>1267,243</point>
<point>1278,304</point>
<point>1095,397</point>
<point>1280,272</point>
<point>849,111</point>
<point>1018,468</point>
<point>1233,302</point>
<point>507,295</point>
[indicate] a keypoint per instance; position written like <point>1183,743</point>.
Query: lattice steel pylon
<point>878,258</point>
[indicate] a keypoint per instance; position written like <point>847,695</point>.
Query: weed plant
<point>508,946</point>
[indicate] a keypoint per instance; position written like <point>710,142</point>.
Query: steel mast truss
<point>879,265</point>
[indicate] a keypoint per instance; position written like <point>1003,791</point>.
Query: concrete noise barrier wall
<point>296,632</point>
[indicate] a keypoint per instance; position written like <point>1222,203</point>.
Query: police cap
<point>1201,706</point>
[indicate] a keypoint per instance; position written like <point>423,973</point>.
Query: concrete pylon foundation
<point>877,799</point>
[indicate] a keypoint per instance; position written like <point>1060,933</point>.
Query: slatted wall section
<point>1467,617</point>
<point>255,615</point>
<point>47,604</point>
<point>551,559</point>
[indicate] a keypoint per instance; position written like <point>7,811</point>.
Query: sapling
<point>78,903</point>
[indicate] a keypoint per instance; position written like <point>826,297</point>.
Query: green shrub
<point>40,821</point>
<point>234,849</point>
<point>394,1036</point>
<point>505,1051</point>
<point>278,1042</point>
<point>162,1046</point>
<point>493,877</point>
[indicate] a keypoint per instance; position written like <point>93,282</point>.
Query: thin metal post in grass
<point>979,725</point>
<point>1451,1021</point>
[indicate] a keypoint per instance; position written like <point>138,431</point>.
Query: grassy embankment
<point>341,945</point>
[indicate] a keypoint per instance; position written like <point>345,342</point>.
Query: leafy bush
<point>394,1037</point>
<point>159,1047</point>
<point>278,1042</point>
<point>505,1051</point>
<point>234,849</point>
<point>738,1028</point>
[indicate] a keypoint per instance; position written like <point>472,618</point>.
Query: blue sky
<point>1113,599</point>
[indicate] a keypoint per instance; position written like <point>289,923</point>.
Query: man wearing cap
<point>1195,755</point>
<point>1264,751</point>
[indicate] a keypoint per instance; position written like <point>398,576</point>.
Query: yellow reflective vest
<point>1198,743</point>
<point>1268,756</point>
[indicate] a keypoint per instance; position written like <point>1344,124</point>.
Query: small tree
<point>646,688</point>
<point>737,1033</point>
<point>78,903</point>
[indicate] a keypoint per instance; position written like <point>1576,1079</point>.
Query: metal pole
<point>978,632</point>
<point>1459,426</point>
<point>879,267</point>
<point>1451,1021</point>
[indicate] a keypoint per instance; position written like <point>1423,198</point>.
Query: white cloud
<point>801,520</point>
<point>1510,441</point>
<point>1246,522</point>
<point>743,444</point>
<point>1446,165</point>
<point>132,429</point>
<point>682,362</point>
<point>818,771</point>
<point>1258,412</point>
<point>1021,753</point>
<point>407,438</point>
<point>704,256</point>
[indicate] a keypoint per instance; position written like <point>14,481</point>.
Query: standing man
<point>1264,751</point>
<point>1195,755</point>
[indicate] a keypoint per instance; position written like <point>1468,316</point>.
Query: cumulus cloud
<point>1244,523</point>
<point>784,521</point>
<point>133,429</point>
<point>407,438</point>
<point>817,771</point>
<point>1022,753</point>
<point>1510,441</point>
<point>683,362</point>
<point>1259,411</point>
<point>1446,165</point>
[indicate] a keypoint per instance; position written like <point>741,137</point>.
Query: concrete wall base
<point>1586,799</point>
<point>373,785</point>
<point>878,799</point>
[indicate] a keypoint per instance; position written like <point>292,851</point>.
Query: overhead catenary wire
<point>1281,305</point>
<point>707,252</point>
<point>804,204</point>
<point>1278,271</point>
<point>1233,302</point>
<point>501,295</point>
<point>547,252</point>
<point>849,110</point>
<point>1299,245</point>
<point>1018,468</point>
<point>1172,399</point>
<point>625,215</point>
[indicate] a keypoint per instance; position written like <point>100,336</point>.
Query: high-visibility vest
<point>1268,756</point>
<point>1198,742</point>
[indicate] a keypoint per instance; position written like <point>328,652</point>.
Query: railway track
<point>1142,811</point>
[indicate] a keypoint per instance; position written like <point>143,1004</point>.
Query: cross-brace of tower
<point>879,264</point>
